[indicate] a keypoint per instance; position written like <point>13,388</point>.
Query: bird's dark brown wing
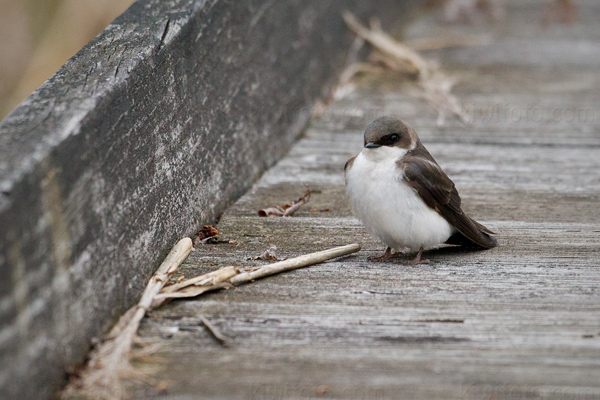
<point>348,165</point>
<point>438,192</point>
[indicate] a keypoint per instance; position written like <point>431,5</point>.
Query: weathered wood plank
<point>149,131</point>
<point>518,321</point>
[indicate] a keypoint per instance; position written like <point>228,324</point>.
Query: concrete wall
<point>149,131</point>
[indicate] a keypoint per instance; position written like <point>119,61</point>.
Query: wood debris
<point>293,263</point>
<point>390,54</point>
<point>286,210</point>
<point>192,324</point>
<point>209,234</point>
<point>196,286</point>
<point>387,50</point>
<point>226,277</point>
<point>206,234</point>
<point>214,331</point>
<point>268,255</point>
<point>110,360</point>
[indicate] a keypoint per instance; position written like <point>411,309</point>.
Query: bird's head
<point>390,132</point>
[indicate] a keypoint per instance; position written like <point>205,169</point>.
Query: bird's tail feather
<point>484,239</point>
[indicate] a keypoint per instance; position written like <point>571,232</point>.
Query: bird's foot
<point>388,255</point>
<point>417,260</point>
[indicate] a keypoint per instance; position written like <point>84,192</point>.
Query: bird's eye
<point>394,138</point>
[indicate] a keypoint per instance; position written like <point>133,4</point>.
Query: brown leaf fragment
<point>286,210</point>
<point>207,234</point>
<point>268,255</point>
<point>272,211</point>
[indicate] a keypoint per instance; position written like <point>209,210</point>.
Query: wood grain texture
<point>520,321</point>
<point>149,132</point>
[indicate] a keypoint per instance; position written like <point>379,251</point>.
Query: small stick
<point>227,276</point>
<point>168,267</point>
<point>397,56</point>
<point>297,262</point>
<point>286,210</point>
<point>213,331</point>
<point>412,62</point>
<point>109,362</point>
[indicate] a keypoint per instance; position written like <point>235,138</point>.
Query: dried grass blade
<point>402,54</point>
<point>220,275</point>
<point>190,291</point>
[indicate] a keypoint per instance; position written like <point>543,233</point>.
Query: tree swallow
<point>403,197</point>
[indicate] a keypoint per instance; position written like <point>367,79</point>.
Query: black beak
<point>372,145</point>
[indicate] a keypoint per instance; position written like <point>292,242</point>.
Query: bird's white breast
<point>388,207</point>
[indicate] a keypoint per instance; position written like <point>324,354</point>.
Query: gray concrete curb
<point>152,129</point>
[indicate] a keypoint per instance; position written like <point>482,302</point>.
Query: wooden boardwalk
<point>519,321</point>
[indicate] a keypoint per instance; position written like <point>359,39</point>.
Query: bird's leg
<point>388,255</point>
<point>417,260</point>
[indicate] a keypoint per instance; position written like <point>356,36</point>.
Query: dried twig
<point>236,277</point>
<point>294,263</point>
<point>192,324</point>
<point>402,57</point>
<point>214,331</point>
<point>109,361</point>
<point>196,286</point>
<point>286,210</point>
<point>396,56</point>
<point>438,91</point>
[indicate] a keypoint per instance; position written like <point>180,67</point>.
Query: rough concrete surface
<point>151,130</point>
<point>521,321</point>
